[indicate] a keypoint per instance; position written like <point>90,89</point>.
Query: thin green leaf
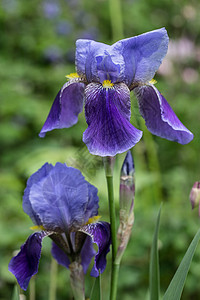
<point>96,293</point>
<point>154,272</point>
<point>177,283</point>
<point>15,295</point>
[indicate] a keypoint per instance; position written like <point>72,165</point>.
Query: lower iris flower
<point>105,76</point>
<point>63,206</point>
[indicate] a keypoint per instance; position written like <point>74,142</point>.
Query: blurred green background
<point>37,47</point>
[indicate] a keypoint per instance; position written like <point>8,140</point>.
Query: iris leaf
<point>96,293</point>
<point>154,273</point>
<point>176,286</point>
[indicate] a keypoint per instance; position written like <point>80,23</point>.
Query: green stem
<point>53,282</point>
<point>108,164</point>
<point>116,19</point>
<point>114,280</point>
<point>32,289</point>
<point>111,200</point>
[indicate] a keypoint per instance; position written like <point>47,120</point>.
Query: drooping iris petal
<point>60,199</point>
<point>25,264</point>
<point>100,234</point>
<point>34,179</point>
<point>98,61</point>
<point>66,107</point>
<point>60,256</point>
<point>86,254</point>
<point>159,116</point>
<point>143,55</point>
<point>107,114</point>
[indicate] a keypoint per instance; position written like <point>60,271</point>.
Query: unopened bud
<point>195,195</point>
<point>127,185</point>
<point>127,194</point>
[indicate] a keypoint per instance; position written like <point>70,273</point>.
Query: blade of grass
<point>154,272</point>
<point>177,283</point>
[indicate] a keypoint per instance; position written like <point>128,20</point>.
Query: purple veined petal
<point>159,116</point>
<point>98,62</point>
<point>86,254</point>
<point>35,178</point>
<point>143,55</point>
<point>61,199</point>
<point>107,114</point>
<point>66,107</point>
<point>100,234</point>
<point>25,264</point>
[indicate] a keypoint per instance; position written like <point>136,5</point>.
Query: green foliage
<point>176,286</point>
<point>154,271</point>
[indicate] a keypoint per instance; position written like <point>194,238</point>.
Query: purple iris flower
<point>105,76</point>
<point>64,206</point>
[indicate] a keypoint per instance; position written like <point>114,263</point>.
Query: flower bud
<point>195,195</point>
<point>126,202</point>
<point>127,185</point>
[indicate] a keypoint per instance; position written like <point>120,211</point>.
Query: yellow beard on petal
<point>107,84</point>
<point>72,76</point>
<point>37,227</point>
<point>93,220</point>
<point>152,81</point>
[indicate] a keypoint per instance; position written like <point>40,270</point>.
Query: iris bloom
<point>105,76</point>
<point>62,204</point>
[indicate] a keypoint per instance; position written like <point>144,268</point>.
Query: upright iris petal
<point>106,68</point>
<point>64,194</point>
<point>108,114</point>
<point>142,55</point>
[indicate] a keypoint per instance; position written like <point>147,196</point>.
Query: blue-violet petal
<point>142,55</point>
<point>25,264</point>
<point>61,198</point>
<point>66,107</point>
<point>100,234</point>
<point>107,112</point>
<point>159,116</point>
